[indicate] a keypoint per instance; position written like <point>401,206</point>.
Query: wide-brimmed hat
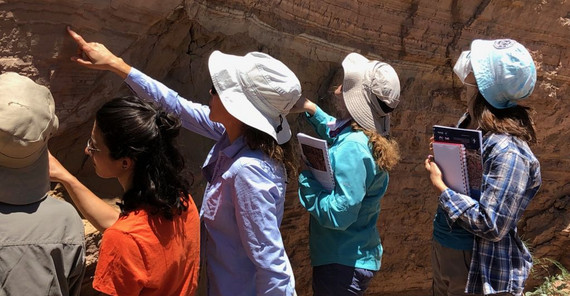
<point>256,89</point>
<point>371,91</point>
<point>504,71</point>
<point>28,120</point>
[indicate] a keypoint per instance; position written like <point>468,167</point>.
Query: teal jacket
<point>343,222</point>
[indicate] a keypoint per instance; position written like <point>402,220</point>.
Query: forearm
<point>94,209</point>
<point>482,220</point>
<point>194,116</point>
<point>120,67</point>
<point>310,108</point>
<point>319,120</point>
<point>275,281</point>
<point>331,209</point>
<point>505,194</point>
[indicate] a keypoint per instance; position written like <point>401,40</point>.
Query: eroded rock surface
<point>171,40</point>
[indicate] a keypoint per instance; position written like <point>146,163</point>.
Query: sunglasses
<point>90,147</point>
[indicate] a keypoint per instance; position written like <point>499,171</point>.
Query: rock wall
<point>171,40</point>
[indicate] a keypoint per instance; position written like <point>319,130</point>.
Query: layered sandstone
<point>171,40</point>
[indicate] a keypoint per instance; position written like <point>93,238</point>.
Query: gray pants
<point>450,270</point>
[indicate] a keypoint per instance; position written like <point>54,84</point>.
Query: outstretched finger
<point>78,39</point>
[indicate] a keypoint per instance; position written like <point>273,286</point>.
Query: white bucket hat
<point>256,89</point>
<point>504,71</point>
<point>28,120</point>
<point>371,91</point>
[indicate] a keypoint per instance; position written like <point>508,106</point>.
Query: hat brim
<point>358,99</point>
<point>224,71</point>
<point>22,186</point>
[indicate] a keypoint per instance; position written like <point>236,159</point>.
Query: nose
<point>338,92</point>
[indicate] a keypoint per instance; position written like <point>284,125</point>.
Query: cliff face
<point>171,40</point>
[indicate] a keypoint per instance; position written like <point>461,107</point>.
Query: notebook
<point>315,154</point>
<point>472,142</point>
<point>450,158</point>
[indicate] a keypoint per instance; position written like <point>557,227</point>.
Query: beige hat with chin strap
<point>28,120</point>
<point>371,91</point>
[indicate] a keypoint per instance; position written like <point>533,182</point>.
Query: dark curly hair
<point>145,133</point>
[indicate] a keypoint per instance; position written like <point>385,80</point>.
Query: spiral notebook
<point>315,154</point>
<point>472,141</point>
<point>452,162</point>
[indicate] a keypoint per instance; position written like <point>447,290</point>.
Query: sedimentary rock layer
<point>171,40</point>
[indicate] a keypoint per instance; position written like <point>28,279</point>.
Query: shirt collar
<point>232,149</point>
<point>222,147</point>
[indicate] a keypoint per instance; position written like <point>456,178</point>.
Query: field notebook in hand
<point>315,154</point>
<point>451,160</point>
<point>472,143</point>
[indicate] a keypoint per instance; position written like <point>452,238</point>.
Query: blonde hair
<point>385,151</point>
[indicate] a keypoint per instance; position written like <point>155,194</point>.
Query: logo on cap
<point>503,43</point>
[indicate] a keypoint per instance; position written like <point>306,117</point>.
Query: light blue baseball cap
<point>504,71</point>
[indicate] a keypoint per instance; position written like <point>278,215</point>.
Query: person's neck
<point>235,129</point>
<point>126,181</point>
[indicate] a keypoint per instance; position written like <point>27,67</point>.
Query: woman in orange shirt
<point>150,246</point>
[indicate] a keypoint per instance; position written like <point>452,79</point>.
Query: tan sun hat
<point>28,120</point>
<point>256,89</point>
<point>371,91</point>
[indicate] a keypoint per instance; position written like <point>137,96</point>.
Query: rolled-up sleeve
<point>502,202</point>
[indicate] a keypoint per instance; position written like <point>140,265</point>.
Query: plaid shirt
<point>511,177</point>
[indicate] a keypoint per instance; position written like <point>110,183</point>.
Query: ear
<point>127,163</point>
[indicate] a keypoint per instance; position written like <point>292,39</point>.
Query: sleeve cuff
<point>133,75</point>
<point>319,116</point>
<point>135,81</point>
<point>454,203</point>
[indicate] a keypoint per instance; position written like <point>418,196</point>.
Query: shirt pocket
<point>212,200</point>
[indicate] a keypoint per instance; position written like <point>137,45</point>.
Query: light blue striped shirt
<point>242,207</point>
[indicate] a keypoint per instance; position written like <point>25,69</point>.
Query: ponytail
<point>145,133</point>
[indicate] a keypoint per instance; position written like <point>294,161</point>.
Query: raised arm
<point>94,209</point>
<point>194,116</point>
<point>95,55</point>
<point>304,105</point>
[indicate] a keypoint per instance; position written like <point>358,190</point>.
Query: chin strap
<point>280,126</point>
